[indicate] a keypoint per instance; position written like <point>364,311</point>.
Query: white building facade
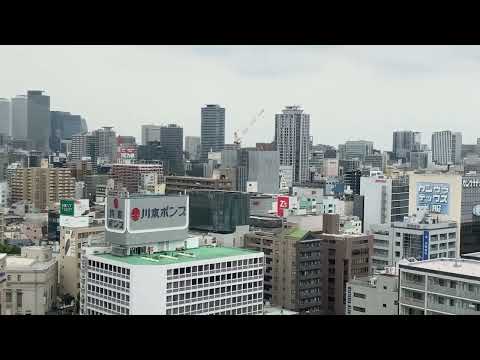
<point>440,287</point>
<point>229,282</point>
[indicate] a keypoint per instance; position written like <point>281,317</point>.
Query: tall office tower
<point>19,117</point>
<point>171,138</point>
<point>153,151</point>
<point>105,145</point>
<point>213,130</point>
<point>63,126</point>
<point>150,133</point>
<point>355,150</point>
<point>420,159</point>
<point>446,147</point>
<point>79,146</point>
<point>292,137</point>
<point>5,117</point>
<point>193,147</point>
<point>41,186</point>
<point>38,120</point>
<point>405,142</point>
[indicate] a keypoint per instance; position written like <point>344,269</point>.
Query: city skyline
<point>426,89</point>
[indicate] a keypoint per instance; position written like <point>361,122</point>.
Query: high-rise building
<point>352,179</point>
<point>3,194</point>
<point>405,142</point>
<point>80,146</point>
<point>41,186</point>
<point>150,133</point>
<point>420,159</point>
<point>446,147</point>
<point>292,139</point>
<point>358,150</point>
<point>193,147</point>
<point>153,151</point>
<point>212,130</point>
<point>19,117</point>
<point>63,126</point>
<point>105,142</point>
<point>440,287</point>
<point>171,139</point>
<point>31,287</point>
<point>373,295</point>
<point>38,120</point>
<point>5,117</point>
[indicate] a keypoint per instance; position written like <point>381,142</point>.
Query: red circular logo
<point>135,214</point>
<point>115,203</point>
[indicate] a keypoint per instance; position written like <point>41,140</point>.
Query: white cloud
<point>351,92</point>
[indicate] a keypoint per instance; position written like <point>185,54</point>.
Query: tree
<point>10,249</point>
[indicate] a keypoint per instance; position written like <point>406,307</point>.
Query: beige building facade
<point>31,285</point>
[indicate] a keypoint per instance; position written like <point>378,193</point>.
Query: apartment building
<point>71,241</point>
<point>373,295</point>
<point>31,287</point>
<point>440,287</point>
<point>292,268</point>
<point>343,257</point>
<point>130,175</point>
<point>41,186</point>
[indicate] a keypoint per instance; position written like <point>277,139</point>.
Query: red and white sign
<point>283,202</point>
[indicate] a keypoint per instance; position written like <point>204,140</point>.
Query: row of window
<point>108,305</point>
<point>109,280</point>
<point>213,279</point>
<point>194,295</point>
<point>108,267</point>
<point>185,310</point>
<point>114,294</point>
<point>217,266</point>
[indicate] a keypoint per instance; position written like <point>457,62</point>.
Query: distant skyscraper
<point>105,144</point>
<point>63,126</point>
<point>355,150</point>
<point>171,139</point>
<point>150,133</point>
<point>5,118</point>
<point>193,147</point>
<point>19,117</point>
<point>292,138</point>
<point>405,142</point>
<point>446,147</point>
<point>213,129</point>
<point>38,120</point>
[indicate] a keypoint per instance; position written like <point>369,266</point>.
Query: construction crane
<point>237,140</point>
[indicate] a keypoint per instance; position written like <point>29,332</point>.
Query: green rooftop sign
<point>67,207</point>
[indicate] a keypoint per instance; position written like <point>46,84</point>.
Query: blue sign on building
<point>433,196</point>
<point>425,245</point>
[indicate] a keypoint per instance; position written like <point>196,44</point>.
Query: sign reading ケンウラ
<point>433,196</point>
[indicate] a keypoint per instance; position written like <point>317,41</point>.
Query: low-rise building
<point>421,238</point>
<point>373,295</point>
<point>31,287</point>
<point>440,287</point>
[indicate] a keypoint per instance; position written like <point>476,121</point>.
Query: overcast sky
<point>350,92</point>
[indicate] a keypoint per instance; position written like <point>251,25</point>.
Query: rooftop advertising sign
<point>433,196</point>
<point>147,214</point>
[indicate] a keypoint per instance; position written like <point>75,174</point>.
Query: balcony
<point>413,284</point>
<point>442,289</point>
<point>413,302</point>
<point>444,308</point>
